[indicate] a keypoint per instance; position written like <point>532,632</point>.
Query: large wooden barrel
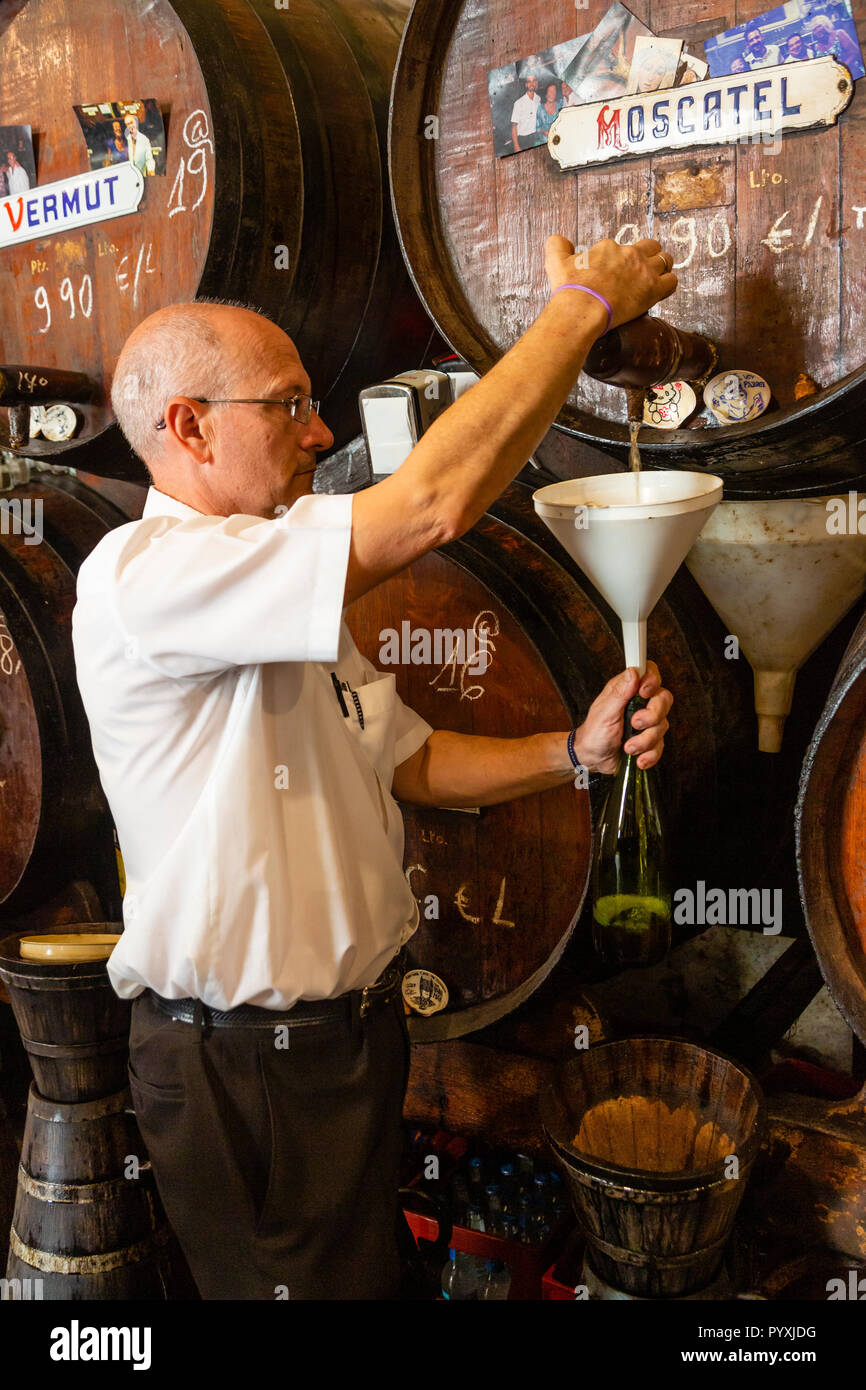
<point>831,835</point>
<point>275,191</point>
<point>87,1220</point>
<point>769,251</point>
<point>54,819</point>
<point>500,891</point>
<point>73,1026</point>
<point>645,1130</point>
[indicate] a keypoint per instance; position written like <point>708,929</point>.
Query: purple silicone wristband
<point>595,294</point>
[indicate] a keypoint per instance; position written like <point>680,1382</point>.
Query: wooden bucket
<point>769,263</point>
<point>275,192</point>
<point>500,891</point>
<point>644,1130</point>
<point>74,1027</point>
<point>87,1219</point>
<point>831,834</point>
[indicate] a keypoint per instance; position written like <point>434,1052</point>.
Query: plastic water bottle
<point>459,1277</point>
<point>495,1281</point>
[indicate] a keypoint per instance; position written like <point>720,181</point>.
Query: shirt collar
<point>160,504</point>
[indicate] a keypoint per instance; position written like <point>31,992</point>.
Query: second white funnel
<point>781,575</point>
<point>630,533</point>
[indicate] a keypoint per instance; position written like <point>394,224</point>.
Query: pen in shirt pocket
<point>339,687</point>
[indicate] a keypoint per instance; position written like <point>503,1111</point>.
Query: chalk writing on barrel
<point>8,665</point>
<point>196,136</point>
<point>484,629</point>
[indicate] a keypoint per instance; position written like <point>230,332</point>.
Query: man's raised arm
<point>475,449</point>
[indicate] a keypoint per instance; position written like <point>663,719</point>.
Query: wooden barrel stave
<point>830,822</point>
<point>139,1277</point>
<point>55,820</point>
<point>478,260</point>
<point>87,1142</point>
<point>85,1223</point>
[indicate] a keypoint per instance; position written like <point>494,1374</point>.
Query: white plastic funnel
<point>780,575</point>
<point>630,533</point>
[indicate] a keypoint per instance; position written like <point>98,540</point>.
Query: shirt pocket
<point>377,700</point>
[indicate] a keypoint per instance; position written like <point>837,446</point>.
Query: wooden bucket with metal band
<point>74,1027</point>
<point>768,245</point>
<point>275,192</point>
<point>56,825</point>
<point>87,1219</point>
<point>656,1138</point>
<point>500,889</point>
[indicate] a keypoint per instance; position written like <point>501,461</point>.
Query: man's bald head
<point>201,349</point>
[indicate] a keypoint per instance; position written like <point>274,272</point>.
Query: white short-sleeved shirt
<point>523,113</point>
<point>262,847</point>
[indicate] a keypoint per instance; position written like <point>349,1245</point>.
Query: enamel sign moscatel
<point>717,111</point>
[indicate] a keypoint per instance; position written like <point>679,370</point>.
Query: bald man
<point>251,758</point>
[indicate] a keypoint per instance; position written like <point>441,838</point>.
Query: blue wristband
<point>581,778</point>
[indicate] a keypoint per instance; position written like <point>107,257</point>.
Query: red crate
<point>526,1262</point>
<point>552,1289</point>
<point>568,1265</point>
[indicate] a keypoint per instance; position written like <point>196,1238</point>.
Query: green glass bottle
<point>631,907</point>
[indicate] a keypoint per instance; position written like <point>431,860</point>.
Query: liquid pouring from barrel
<point>630,550</point>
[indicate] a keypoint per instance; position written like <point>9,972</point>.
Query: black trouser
<point>277,1166</point>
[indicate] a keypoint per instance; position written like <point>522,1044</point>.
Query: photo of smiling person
<point>520,90</point>
<point>549,108</point>
<point>791,33</point>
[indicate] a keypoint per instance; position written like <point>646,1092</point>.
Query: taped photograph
<point>691,69</point>
<point>788,34</point>
<point>601,68</point>
<point>527,96</point>
<point>17,161</point>
<point>655,64</point>
<point>120,132</point>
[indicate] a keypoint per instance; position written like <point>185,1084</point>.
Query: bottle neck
<point>634,705</point>
<point>648,352</point>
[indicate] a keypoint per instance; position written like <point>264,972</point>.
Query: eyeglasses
<point>301,407</point>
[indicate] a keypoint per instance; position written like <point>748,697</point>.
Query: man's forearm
<point>472,452</point>
<point>465,770</point>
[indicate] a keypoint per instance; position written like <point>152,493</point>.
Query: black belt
<point>356,1004</point>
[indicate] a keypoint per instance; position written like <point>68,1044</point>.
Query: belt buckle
<point>383,987</point>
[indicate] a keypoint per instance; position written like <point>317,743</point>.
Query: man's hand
<point>631,278</point>
<point>598,741</point>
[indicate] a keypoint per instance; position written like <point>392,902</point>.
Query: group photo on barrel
<point>433,667</point>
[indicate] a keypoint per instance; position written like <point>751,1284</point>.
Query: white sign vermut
<point>718,111</point>
<point>95,196</point>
